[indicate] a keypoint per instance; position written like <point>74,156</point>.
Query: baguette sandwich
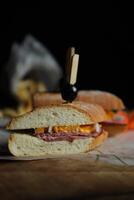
<point>57,129</point>
<point>117,120</point>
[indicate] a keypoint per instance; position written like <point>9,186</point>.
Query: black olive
<point>68,92</point>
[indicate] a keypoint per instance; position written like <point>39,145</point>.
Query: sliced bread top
<point>77,113</point>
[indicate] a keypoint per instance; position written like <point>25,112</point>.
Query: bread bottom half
<point>26,145</point>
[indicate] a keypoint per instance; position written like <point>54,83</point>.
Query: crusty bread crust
<point>81,113</point>
<point>105,99</point>
<point>99,140</point>
<point>96,112</point>
<point>46,98</point>
<point>27,145</point>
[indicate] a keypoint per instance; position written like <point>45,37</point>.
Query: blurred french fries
<point>24,93</point>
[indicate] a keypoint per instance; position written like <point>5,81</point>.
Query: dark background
<point>102,34</point>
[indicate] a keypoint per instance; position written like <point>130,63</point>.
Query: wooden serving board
<point>103,173</point>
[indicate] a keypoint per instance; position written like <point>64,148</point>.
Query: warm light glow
<point>131,120</point>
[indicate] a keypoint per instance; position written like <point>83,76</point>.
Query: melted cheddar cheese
<point>73,129</point>
<point>85,129</point>
<point>40,130</point>
<point>110,115</point>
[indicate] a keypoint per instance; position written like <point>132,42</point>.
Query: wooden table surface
<point>107,173</point>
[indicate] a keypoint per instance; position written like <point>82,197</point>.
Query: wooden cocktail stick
<point>70,53</point>
<point>73,69</point>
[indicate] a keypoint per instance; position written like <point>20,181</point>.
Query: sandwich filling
<point>116,117</point>
<point>69,133</point>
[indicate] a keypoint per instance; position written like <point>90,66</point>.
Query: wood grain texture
<point>63,178</point>
<point>106,173</point>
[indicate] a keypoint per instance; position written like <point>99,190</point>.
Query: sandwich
<point>117,119</point>
<point>57,129</point>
